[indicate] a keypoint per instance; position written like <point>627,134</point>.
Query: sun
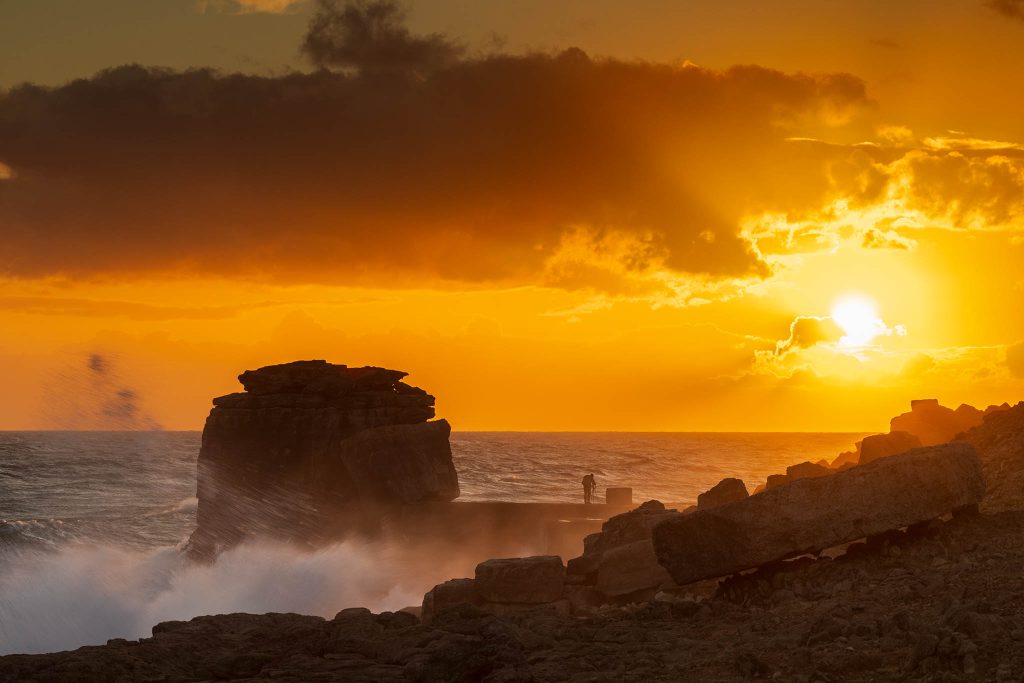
<point>857,316</point>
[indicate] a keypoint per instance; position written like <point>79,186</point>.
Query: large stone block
<point>812,514</point>
<point>521,580</point>
<point>630,568</point>
<point>451,592</point>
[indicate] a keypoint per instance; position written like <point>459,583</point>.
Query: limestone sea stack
<point>313,450</point>
<point>815,513</point>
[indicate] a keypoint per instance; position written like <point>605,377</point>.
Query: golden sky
<point>556,216</point>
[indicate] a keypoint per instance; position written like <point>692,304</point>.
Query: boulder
<point>810,515</point>
<point>846,458</point>
<point>620,560</point>
<point>630,568</point>
<point>521,580</point>
<point>884,445</point>
<point>452,592</point>
<point>627,527</point>
<point>805,470</point>
<point>726,491</point>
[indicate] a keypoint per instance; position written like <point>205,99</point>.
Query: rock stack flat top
<point>316,383</point>
<point>310,448</point>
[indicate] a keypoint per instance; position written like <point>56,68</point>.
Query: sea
<point>91,523</point>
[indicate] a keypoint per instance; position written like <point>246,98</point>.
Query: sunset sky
<point>579,215</point>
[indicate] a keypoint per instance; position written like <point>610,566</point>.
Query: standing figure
<point>589,486</point>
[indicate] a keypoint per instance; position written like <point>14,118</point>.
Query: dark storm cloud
<point>469,170</point>
<point>372,35</point>
<point>1013,9</point>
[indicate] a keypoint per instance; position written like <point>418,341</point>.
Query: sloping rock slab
<point>812,514</point>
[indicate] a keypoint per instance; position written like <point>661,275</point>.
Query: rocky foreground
<point>741,586</point>
<point>943,603</point>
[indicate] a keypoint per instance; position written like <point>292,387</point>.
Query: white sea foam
<point>82,595</point>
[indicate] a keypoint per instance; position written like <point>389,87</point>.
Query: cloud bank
<point>408,164</point>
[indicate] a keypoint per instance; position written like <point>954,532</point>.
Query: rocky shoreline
<point>899,560</point>
<point>944,603</point>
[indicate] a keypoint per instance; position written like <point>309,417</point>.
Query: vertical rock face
<point>311,449</point>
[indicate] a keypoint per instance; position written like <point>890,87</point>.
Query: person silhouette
<point>589,486</point>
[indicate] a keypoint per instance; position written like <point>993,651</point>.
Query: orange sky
<point>633,234</point>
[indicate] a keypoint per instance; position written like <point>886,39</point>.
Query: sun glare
<point>858,318</point>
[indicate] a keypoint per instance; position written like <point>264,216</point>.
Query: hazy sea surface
<point>90,522</point>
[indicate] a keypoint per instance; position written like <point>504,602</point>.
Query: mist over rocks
<point>313,450</point>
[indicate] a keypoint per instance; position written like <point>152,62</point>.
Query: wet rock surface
<point>813,514</point>
<point>943,602</point>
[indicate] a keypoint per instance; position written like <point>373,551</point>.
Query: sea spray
<point>85,595</point>
<point>89,522</point>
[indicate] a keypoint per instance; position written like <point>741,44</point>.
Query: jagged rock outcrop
<point>846,459</point>
<point>801,470</point>
<point>503,586</point>
<point>999,440</point>
<point>883,445</point>
<point>729,490</point>
<point>312,450</point>
<point>451,592</point>
<point>810,515</point>
<point>933,423</point>
<point>620,561</point>
<point>804,470</point>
